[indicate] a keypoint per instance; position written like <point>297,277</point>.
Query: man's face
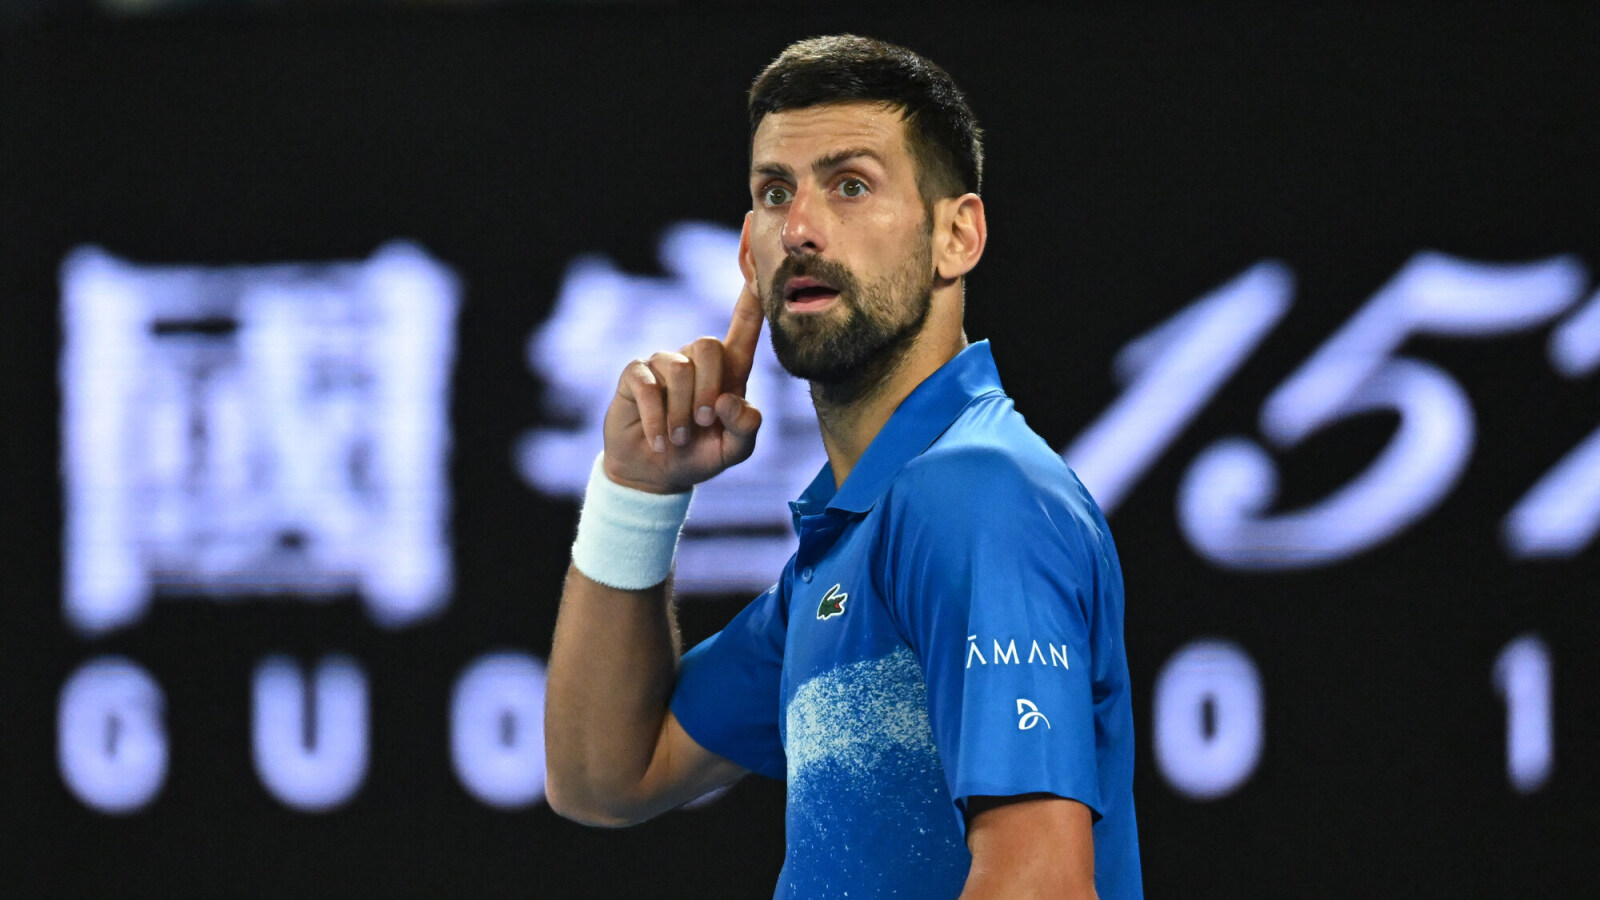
<point>839,240</point>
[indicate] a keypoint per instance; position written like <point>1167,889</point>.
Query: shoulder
<point>989,471</point>
<point>988,458</point>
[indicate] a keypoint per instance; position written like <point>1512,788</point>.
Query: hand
<point>680,418</point>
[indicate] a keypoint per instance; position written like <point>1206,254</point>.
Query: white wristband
<point>627,537</point>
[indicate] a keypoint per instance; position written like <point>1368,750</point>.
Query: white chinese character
<point>256,430</point>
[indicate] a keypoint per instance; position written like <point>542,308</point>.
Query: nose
<point>804,229</point>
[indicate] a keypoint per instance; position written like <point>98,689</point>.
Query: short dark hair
<point>943,135</point>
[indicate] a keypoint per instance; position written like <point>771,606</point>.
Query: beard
<point>845,357</point>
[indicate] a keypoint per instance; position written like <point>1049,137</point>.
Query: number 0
<point>1208,722</point>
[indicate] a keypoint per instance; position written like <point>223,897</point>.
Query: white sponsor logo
<point>1030,715</point>
<point>1008,654</point>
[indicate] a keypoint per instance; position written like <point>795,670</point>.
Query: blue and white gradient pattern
<point>857,736</point>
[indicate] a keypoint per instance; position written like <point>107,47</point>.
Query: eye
<point>775,195</point>
<point>852,187</point>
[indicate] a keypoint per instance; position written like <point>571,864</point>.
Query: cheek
<point>885,252</point>
<point>893,232</point>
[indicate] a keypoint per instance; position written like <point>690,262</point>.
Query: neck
<point>851,415</point>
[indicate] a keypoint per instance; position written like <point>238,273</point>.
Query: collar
<point>921,417</point>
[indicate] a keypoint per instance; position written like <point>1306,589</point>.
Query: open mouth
<point>808,294</point>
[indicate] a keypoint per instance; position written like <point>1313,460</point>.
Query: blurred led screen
<point>314,316</point>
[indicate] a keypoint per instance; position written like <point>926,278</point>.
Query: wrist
<point>611,470</point>
<point>627,536</point>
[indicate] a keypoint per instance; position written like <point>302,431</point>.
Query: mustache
<point>810,266</point>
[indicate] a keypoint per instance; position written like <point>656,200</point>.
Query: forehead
<point>798,136</point>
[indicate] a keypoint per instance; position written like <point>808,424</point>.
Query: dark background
<point>1139,155</point>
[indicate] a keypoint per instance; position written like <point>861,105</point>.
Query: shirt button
<point>805,574</point>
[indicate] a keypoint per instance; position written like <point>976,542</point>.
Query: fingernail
<point>705,415</point>
<point>680,436</point>
<point>659,444</point>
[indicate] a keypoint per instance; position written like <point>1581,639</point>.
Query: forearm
<point>613,753</point>
<point>613,662</point>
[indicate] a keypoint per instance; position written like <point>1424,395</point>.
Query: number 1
<point>1522,676</point>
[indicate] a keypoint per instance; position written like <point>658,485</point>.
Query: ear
<point>747,258</point>
<point>959,236</point>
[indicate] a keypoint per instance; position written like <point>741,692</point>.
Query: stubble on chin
<point>847,351</point>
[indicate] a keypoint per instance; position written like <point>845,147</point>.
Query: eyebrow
<point>821,164</point>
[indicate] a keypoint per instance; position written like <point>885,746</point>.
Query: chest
<point>839,611</point>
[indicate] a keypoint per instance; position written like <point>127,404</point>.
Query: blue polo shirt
<point>950,627</point>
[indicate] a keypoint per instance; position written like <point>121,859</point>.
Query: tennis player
<point>938,673</point>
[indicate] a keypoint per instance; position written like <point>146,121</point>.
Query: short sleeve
<point>727,696</point>
<point>995,573</point>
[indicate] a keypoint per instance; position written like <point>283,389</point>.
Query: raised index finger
<point>743,333</point>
